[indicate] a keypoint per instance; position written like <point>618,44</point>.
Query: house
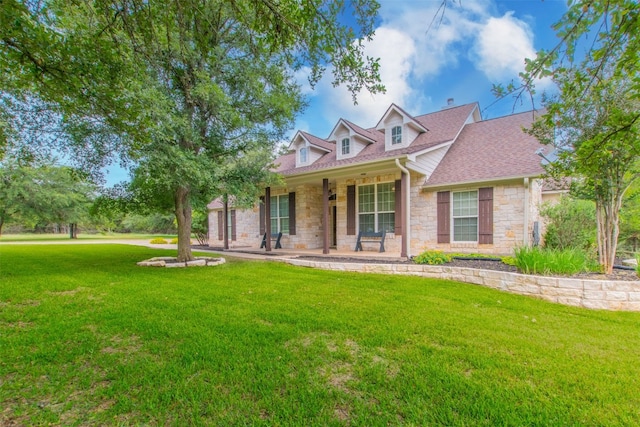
<point>447,180</point>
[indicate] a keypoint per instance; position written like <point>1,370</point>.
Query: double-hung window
<point>396,135</point>
<point>304,155</point>
<point>465,216</point>
<point>280,214</point>
<point>346,146</point>
<point>376,207</point>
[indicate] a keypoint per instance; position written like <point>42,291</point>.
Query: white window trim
<point>393,137</point>
<point>375,212</point>
<point>304,160</point>
<point>278,217</point>
<point>476,216</point>
<point>346,143</point>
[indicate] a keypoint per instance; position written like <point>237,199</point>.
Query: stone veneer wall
<point>247,228</point>
<point>508,217</point>
<point>592,294</point>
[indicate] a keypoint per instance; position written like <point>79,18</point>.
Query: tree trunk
<point>183,217</point>
<point>607,215</point>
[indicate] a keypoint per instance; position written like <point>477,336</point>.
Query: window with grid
<point>280,214</point>
<point>465,216</point>
<point>346,146</point>
<point>304,155</point>
<point>376,207</point>
<point>396,135</point>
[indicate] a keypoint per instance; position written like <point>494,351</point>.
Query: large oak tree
<point>180,88</point>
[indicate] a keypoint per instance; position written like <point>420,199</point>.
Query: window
<point>280,214</point>
<point>396,135</point>
<point>376,207</point>
<point>304,155</point>
<point>465,216</point>
<point>346,146</point>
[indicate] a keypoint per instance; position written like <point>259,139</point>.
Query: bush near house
<point>432,258</point>
<point>537,260</point>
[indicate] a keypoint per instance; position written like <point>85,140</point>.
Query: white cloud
<point>502,46</point>
<point>396,51</point>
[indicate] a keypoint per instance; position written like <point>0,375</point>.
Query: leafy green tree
<point>181,88</point>
<point>595,128</point>
<point>46,194</point>
<point>630,219</point>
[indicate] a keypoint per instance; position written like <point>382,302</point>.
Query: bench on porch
<point>370,237</point>
<point>274,236</point>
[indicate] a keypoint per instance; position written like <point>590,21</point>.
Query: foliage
<point>193,94</point>
<point>570,223</point>
<point>630,219</point>
<point>595,121</point>
<point>432,258</point>
<point>42,194</point>
<point>96,340</point>
<point>537,260</point>
<point>509,260</point>
<point>173,241</point>
<point>158,241</point>
<point>596,131</point>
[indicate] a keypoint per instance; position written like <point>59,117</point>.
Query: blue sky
<point>478,43</point>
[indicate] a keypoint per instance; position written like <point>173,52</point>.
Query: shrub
<point>638,264</point>
<point>432,258</point>
<point>174,241</point>
<point>536,260</point>
<point>571,223</point>
<point>158,241</point>
<point>509,260</point>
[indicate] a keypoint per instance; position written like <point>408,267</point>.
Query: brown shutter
<point>292,214</point>
<point>351,210</point>
<point>220,226</point>
<point>233,225</point>
<point>444,217</point>
<point>485,216</point>
<point>262,226</point>
<point>398,213</point>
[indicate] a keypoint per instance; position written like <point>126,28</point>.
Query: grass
<point>50,237</point>
<point>89,338</point>
<point>537,260</point>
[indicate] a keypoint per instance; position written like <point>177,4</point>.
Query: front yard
<point>89,338</point>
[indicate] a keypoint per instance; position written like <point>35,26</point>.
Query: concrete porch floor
<point>292,253</point>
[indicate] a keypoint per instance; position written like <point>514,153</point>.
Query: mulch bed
<point>484,264</point>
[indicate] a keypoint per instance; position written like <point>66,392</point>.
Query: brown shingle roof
<point>490,150</point>
<point>443,127</point>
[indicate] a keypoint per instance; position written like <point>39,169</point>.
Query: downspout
<point>525,239</point>
<point>407,210</point>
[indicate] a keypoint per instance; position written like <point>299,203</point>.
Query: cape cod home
<point>446,180</point>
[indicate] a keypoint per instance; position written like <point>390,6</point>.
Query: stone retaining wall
<point>594,294</point>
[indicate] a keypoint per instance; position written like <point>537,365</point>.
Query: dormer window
<point>396,135</point>
<point>304,155</point>
<point>346,146</point>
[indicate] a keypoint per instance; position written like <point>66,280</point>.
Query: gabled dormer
<point>308,148</point>
<point>400,129</point>
<point>349,139</point>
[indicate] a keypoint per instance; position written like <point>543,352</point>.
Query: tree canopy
<point>180,89</point>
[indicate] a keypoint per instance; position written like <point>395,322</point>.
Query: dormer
<point>308,148</point>
<point>349,139</point>
<point>400,129</point>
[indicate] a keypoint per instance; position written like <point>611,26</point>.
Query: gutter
<point>407,211</point>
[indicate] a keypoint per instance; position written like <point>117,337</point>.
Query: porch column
<point>325,216</point>
<point>225,225</point>
<point>267,217</point>
<point>404,221</point>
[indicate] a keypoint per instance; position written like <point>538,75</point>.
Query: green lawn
<point>89,338</point>
<point>50,237</point>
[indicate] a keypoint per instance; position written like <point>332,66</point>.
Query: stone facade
<point>508,214</point>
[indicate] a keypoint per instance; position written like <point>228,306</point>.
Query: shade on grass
<point>88,337</point>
